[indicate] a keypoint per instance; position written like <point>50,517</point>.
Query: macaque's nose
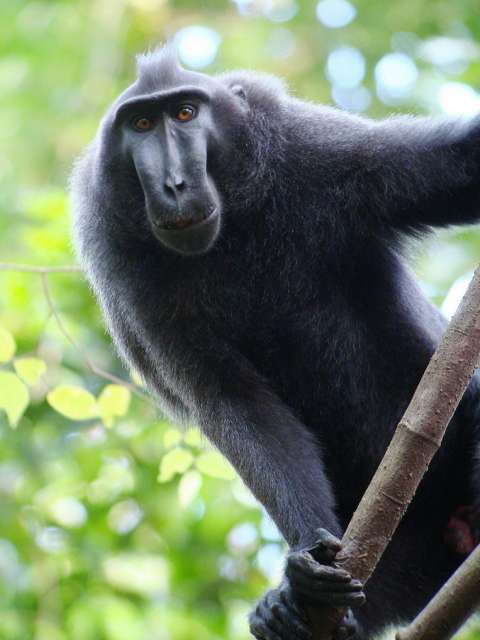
<point>174,184</point>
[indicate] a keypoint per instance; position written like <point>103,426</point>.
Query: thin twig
<point>26,268</point>
<point>68,336</point>
<point>43,272</point>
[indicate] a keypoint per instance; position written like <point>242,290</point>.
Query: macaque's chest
<point>332,369</point>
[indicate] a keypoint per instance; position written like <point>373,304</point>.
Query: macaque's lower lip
<point>193,239</point>
<point>187,223</point>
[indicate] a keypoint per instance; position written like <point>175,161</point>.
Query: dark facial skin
<point>172,138</point>
<point>245,248</point>
<point>167,136</point>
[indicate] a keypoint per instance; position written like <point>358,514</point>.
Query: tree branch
<point>416,440</point>
<point>456,601</point>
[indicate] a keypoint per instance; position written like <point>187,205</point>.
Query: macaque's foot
<point>348,629</point>
<point>315,579</point>
<point>277,617</point>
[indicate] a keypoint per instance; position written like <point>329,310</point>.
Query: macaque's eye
<point>141,123</point>
<point>185,113</point>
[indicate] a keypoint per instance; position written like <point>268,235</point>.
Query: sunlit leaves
<point>48,206</point>
<point>175,461</point>
<point>68,512</point>
<point>171,438</point>
<point>116,477</point>
<point>7,345</point>
<point>103,615</point>
<point>14,396</point>
<point>124,516</point>
<point>30,370</point>
<point>211,463</point>
<point>193,437</point>
<point>121,620</point>
<point>77,403</point>
<point>64,597</point>
<point>73,402</point>
<point>137,573</point>
<point>113,403</point>
<point>188,487</point>
<point>187,449</point>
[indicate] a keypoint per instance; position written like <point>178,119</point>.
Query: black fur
<point>295,334</point>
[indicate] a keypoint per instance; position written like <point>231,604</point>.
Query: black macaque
<point>245,247</point>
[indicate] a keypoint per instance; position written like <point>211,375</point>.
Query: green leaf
<point>213,464</point>
<point>193,437</point>
<point>14,396</point>
<point>139,573</point>
<point>171,438</point>
<point>122,620</point>
<point>188,487</point>
<point>73,402</point>
<point>7,345</point>
<point>30,370</point>
<point>113,403</point>
<point>175,461</point>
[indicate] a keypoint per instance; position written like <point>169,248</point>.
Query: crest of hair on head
<point>161,63</point>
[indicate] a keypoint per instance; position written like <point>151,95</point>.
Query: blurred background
<point>114,524</point>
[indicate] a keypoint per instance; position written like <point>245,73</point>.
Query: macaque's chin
<point>189,236</point>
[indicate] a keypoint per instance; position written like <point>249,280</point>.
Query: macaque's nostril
<point>179,183</point>
<point>169,190</point>
<point>174,184</point>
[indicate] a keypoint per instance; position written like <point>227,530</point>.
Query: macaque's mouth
<point>192,234</point>
<point>183,222</point>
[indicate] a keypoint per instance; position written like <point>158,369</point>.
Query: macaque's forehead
<point>161,71</point>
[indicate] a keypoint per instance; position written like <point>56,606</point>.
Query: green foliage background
<point>114,525</point>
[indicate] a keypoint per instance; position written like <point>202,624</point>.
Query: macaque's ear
<point>239,91</point>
